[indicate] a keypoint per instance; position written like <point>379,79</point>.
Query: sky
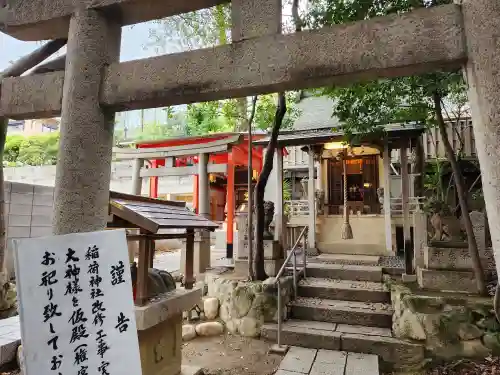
<point>135,40</point>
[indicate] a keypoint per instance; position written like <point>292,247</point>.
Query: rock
<point>249,327</point>
<point>232,326</point>
<point>242,301</point>
<point>474,349</point>
<point>468,331</point>
<point>410,327</point>
<point>188,332</point>
<point>20,359</point>
<point>209,329</point>
<point>490,324</point>
<point>492,341</point>
<point>211,307</point>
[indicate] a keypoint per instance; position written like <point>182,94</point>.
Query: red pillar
<point>153,181</point>
<point>195,193</point>
<point>230,206</point>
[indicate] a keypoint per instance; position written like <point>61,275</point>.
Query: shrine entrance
<point>362,185</point>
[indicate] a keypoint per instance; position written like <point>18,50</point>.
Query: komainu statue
<point>268,218</point>
<point>445,228</point>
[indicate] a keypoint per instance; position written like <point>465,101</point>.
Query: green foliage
<point>433,180</point>
<point>32,150</point>
<point>199,29</point>
<point>206,118</point>
<point>367,107</point>
<point>287,190</point>
<point>207,28</point>
<point>12,148</point>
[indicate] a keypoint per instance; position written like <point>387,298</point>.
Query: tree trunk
<point>251,274</point>
<point>418,168</point>
<point>4,123</point>
<point>19,67</point>
<point>260,272</point>
<point>462,197</point>
<point>242,122</point>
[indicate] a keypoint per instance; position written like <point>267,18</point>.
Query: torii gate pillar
<point>85,150</point>
<point>482,30</point>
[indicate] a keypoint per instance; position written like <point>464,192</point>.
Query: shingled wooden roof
<point>155,214</point>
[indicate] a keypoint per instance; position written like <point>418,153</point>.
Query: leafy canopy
<point>366,107</point>
<point>31,150</point>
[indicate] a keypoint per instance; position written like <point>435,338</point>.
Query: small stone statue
<point>268,218</point>
<point>380,196</point>
<point>320,198</point>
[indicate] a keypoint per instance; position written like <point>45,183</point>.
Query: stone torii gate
<point>260,60</point>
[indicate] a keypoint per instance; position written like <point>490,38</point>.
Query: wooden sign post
<point>76,307</point>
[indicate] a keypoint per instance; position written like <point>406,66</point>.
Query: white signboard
<point>76,308</point>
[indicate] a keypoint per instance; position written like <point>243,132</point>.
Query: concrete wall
<point>121,178</point>
<point>28,213</point>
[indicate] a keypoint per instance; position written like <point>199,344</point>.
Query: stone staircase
<point>347,308</point>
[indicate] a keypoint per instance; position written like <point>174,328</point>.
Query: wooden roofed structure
<point>150,216</point>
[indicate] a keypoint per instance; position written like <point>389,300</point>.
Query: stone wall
<point>449,325</point>
<point>245,306</point>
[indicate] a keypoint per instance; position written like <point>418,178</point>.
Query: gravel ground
<point>230,355</point>
<point>391,262</point>
<point>489,366</point>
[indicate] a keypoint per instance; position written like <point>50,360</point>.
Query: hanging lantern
<point>212,178</point>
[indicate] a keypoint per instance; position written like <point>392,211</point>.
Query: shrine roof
<point>155,214</point>
<point>312,136</point>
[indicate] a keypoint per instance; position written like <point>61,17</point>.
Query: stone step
<point>344,272</point>
<point>344,312</point>
<point>393,352</point>
<point>362,260</point>
<point>363,291</point>
<point>447,281</point>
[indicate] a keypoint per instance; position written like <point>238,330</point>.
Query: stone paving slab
<point>298,360</point>
<point>361,364</point>
<point>327,362</point>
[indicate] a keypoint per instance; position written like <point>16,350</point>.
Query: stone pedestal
<point>160,347</point>
<point>201,253</point>
<point>273,258</point>
<point>159,326</point>
<point>419,237</point>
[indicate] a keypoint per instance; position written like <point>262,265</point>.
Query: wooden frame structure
<point>149,216</point>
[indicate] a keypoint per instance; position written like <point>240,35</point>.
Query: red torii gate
<point>235,156</point>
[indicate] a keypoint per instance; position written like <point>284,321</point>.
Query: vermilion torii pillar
<point>85,150</point>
